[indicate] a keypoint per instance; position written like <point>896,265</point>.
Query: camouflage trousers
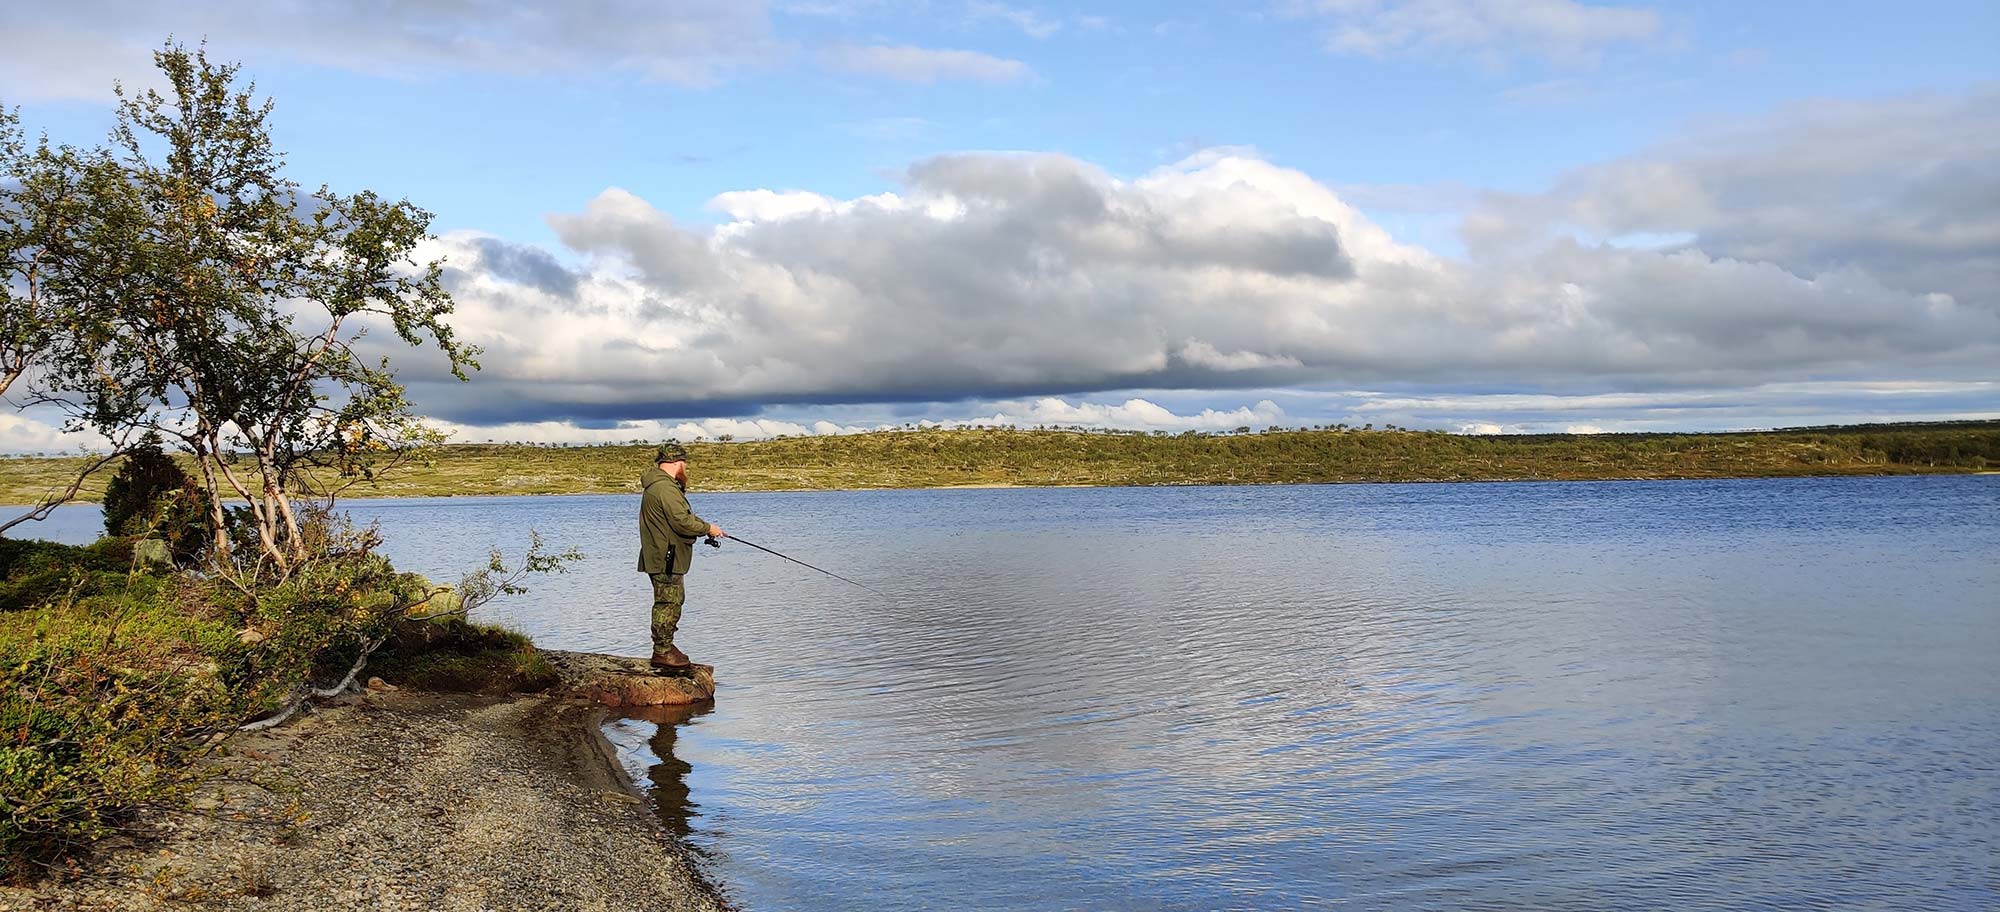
<point>668,595</point>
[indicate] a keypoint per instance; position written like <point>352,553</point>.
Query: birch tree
<point>45,193</point>
<point>236,305</point>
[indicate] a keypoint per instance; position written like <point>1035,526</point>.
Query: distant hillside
<point>945,458</point>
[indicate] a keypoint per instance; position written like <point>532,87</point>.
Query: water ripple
<point>1686,695</point>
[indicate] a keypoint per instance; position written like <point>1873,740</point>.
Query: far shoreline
<point>996,459</point>
<point>999,486</point>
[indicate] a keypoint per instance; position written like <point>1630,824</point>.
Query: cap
<point>670,452</point>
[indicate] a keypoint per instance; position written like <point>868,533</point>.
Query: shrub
<point>152,496</point>
<point>107,690</point>
<point>456,656</point>
<point>144,483</point>
<point>112,681</point>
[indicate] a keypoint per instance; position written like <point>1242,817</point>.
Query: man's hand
<point>715,531</point>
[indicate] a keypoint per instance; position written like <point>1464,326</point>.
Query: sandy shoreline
<point>401,800</point>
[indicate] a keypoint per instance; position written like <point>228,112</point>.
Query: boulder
<point>152,554</point>
<point>617,681</point>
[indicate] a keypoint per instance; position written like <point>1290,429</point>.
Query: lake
<point>1759,694</point>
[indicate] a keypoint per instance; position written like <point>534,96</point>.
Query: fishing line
<point>713,543</point>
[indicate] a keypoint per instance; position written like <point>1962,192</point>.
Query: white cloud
<point>1202,354</point>
<point>765,205</point>
<point>1668,400</point>
<point>625,432</point>
<point>1770,405</point>
<point>1135,415</point>
<point>1842,243</point>
<point>1132,414</point>
<point>21,433</point>
<point>909,63</point>
<point>1008,275</point>
<point>1896,192</point>
<point>74,50</point>
<point>1563,31</point>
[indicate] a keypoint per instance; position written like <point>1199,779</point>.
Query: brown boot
<point>673,660</point>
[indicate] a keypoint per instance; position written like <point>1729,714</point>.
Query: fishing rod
<point>713,543</point>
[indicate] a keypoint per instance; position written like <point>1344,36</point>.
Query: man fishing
<point>667,532</point>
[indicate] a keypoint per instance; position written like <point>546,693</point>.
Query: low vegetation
<point>457,656</point>
<point>945,458</point>
<point>119,677</point>
<point>124,662</point>
<point>175,288</point>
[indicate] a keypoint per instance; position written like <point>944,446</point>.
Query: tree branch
<point>50,501</point>
<point>306,694</point>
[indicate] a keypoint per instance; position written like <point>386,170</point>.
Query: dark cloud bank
<point>1834,242</point>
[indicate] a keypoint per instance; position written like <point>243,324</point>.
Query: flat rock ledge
<point>618,682</point>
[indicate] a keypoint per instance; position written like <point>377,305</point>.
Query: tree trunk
<point>218,518</point>
<point>278,503</point>
<point>266,538</point>
<point>291,523</point>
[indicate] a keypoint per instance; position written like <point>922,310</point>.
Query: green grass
<point>110,683</point>
<point>947,458</point>
<point>114,683</point>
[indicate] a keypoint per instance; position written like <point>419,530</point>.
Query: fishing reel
<point>712,542</point>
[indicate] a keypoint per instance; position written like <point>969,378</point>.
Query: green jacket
<point>667,525</point>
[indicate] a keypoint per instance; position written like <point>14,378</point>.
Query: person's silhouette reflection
<point>669,777</point>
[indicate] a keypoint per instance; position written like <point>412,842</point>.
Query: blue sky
<point>1490,135</point>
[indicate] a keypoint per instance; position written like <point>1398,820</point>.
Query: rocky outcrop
<point>617,682</point>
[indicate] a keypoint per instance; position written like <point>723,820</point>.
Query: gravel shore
<point>400,801</point>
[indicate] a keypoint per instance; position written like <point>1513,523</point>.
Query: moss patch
<point>456,656</point>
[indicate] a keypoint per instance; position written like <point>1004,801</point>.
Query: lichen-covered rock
<point>152,554</point>
<point>617,681</point>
